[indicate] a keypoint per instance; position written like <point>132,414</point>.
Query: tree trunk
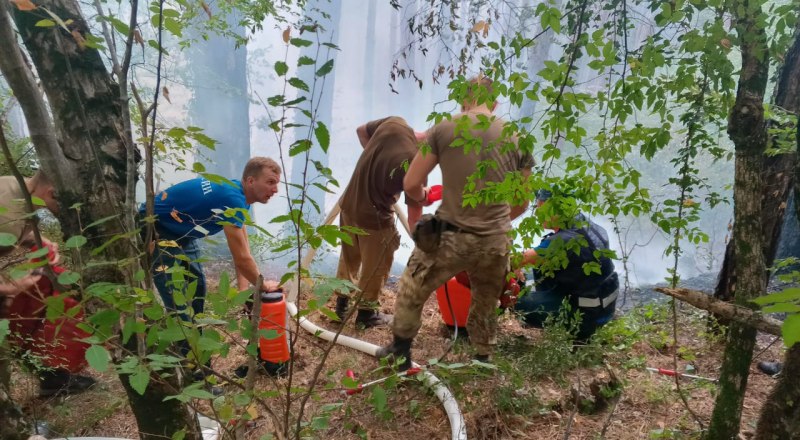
<point>729,311</point>
<point>780,415</point>
<point>779,180</point>
<point>14,425</point>
<point>747,129</point>
<point>88,162</point>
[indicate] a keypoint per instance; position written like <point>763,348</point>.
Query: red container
<point>274,352</point>
<point>460,299</point>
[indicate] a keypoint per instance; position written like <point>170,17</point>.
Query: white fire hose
<point>457,426</point>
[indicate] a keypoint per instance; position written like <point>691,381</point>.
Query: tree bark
<point>780,415</point>
<point>87,164</point>
<point>729,311</point>
<point>87,116</point>
<point>747,129</point>
<point>779,180</point>
<point>14,425</point>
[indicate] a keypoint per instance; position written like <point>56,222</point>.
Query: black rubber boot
<point>264,367</point>
<point>342,302</point>
<point>369,318</point>
<point>770,368</point>
<point>59,381</point>
<point>398,350</point>
<point>482,358</point>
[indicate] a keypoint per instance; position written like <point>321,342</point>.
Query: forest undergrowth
<point>540,386</point>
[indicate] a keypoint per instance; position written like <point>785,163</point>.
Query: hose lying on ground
<point>457,425</point>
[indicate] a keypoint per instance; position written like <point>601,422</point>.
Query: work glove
<point>434,194</point>
<point>510,294</point>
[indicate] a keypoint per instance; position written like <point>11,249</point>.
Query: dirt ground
<point>497,404</point>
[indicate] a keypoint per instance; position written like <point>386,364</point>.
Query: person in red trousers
<point>54,346</point>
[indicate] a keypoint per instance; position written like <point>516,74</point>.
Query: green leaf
<point>379,398</point>
<point>197,393</point>
<point>786,295</point>
<point>216,178</point>
<point>281,68</point>
<point>171,13</point>
<point>298,147</point>
<point>349,383</point>
<point>325,69</point>
<point>305,61</point>
<point>323,136</point>
<point>75,242</point>
<point>298,84</point>
<point>173,26</point>
<point>4,331</point>
<point>37,201</point>
<point>45,23</point>
<point>7,239</point>
<point>119,25</point>
<point>105,318</point>
<point>298,42</point>
<point>782,308</point>
<point>154,44</point>
<point>68,277</point>
<point>330,314</point>
<point>140,379</point>
<point>98,357</point>
<point>100,222</point>
<point>791,330</point>
<point>38,253</point>
<point>319,423</point>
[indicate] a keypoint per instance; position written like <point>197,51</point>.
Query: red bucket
<point>460,299</point>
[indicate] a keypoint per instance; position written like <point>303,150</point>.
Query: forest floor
<point>540,388</point>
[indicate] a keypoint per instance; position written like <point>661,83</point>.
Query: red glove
<point>510,294</point>
<point>434,194</point>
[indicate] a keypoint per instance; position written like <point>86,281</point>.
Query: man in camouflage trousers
<point>472,238</point>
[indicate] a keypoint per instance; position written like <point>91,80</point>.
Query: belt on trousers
<point>598,302</point>
<point>447,226</point>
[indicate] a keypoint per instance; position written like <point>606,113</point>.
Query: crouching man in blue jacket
<point>559,273</point>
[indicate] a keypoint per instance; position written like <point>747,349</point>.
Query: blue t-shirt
<point>198,207</point>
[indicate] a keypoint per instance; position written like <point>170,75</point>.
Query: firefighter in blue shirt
<point>197,208</point>
<point>593,294</point>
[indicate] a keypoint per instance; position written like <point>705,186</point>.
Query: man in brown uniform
<point>389,145</point>
<point>474,236</point>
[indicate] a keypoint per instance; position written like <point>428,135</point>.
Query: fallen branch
<point>724,309</point>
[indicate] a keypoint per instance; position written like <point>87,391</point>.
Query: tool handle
<point>412,371</point>
<point>352,391</point>
<point>666,372</point>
